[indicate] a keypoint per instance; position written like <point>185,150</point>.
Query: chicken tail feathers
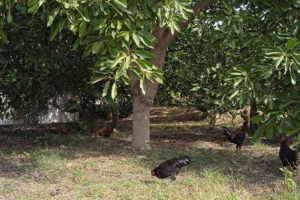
<point>227,132</point>
<point>184,160</point>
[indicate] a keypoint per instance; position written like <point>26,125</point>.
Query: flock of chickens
<point>170,168</point>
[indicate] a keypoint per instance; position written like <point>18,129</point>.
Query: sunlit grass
<point>258,145</point>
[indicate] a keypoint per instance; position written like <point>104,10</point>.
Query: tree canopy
<point>249,48</point>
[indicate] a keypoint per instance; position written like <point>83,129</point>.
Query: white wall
<point>53,115</point>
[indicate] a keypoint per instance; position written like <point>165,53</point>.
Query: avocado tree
<point>129,39</point>
<point>120,34</point>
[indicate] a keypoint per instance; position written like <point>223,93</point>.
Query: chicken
<point>237,137</point>
<point>287,155</point>
<point>63,129</point>
<point>106,132</point>
<point>170,168</point>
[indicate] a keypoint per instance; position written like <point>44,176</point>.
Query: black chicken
<point>287,155</point>
<point>170,168</point>
<point>237,137</point>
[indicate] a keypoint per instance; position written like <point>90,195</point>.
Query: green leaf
<point>83,14</point>
<point>293,76</point>
<point>238,81</point>
<point>117,61</point>
<point>291,43</point>
<point>184,14</point>
<point>290,132</point>
<point>56,28</point>
<point>278,62</point>
<point>143,85</point>
<point>257,119</point>
<point>146,41</point>
<point>120,71</point>
<point>9,18</point>
<point>122,3</point>
<point>105,89</point>
<point>270,127</point>
<point>258,133</point>
<point>82,28</point>
<point>52,16</point>
<point>135,74</point>
<point>136,39</point>
<point>176,26</point>
<point>97,46</point>
<point>282,125</point>
<point>97,79</point>
<point>99,24</point>
<point>145,54</point>
<point>114,90</point>
<point>127,63</point>
<point>130,26</point>
<point>144,64</point>
<point>234,94</point>
<point>158,77</point>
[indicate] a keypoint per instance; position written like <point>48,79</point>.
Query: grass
<point>81,166</point>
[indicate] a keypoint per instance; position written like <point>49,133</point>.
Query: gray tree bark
<point>141,102</point>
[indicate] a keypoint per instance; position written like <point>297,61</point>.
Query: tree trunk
<point>141,133</point>
<point>141,102</point>
<point>115,119</point>
<point>253,112</point>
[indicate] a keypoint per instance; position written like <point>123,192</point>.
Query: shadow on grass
<point>23,152</point>
<point>257,169</point>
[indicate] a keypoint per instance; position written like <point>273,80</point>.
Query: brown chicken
<point>237,137</point>
<point>106,132</point>
<point>170,168</point>
<point>287,155</point>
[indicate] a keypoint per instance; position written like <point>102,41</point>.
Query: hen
<point>106,132</point>
<point>237,137</point>
<point>287,155</point>
<point>170,168</point>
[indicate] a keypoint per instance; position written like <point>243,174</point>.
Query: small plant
<point>289,182</point>
<point>259,145</point>
<point>12,151</point>
<point>78,174</point>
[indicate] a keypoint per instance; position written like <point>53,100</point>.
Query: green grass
<point>258,145</point>
<point>82,166</point>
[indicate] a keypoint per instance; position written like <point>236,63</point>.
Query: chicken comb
<point>282,137</point>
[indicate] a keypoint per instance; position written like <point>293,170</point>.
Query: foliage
<point>195,71</point>
<point>36,72</point>
<point>117,32</point>
<point>290,184</point>
<point>265,59</point>
<point>262,58</point>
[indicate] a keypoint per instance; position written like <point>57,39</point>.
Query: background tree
<point>194,72</point>
<point>35,72</point>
